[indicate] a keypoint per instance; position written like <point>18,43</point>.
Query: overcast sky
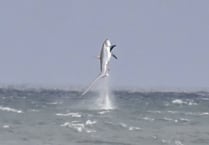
<point>160,43</point>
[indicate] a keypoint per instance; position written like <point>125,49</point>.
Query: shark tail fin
<point>91,85</point>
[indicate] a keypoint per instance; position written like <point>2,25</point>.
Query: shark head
<point>107,43</point>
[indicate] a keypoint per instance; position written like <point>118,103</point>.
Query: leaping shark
<point>105,56</point>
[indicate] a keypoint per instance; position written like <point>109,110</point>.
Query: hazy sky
<point>160,43</point>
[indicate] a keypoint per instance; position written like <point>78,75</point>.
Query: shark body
<point>105,56</point>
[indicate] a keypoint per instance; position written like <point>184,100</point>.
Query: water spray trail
<point>104,100</point>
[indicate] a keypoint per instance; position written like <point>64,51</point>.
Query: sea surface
<point>63,117</point>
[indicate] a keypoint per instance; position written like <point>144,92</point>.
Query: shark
<point>105,57</point>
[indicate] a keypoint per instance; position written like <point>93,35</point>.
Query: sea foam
<point>10,109</point>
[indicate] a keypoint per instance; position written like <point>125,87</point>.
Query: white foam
<point>130,128</point>
<point>177,142</point>
<point>204,113</point>
<point>75,121</point>
<point>10,109</point>
<point>155,137</point>
<point>123,125</point>
<point>148,119</point>
<point>133,128</point>
<point>76,126</point>
<point>191,103</point>
<point>178,101</point>
<point>184,120</point>
<point>103,112</point>
<point>55,103</point>
<point>176,121</point>
<point>69,114</point>
<point>80,127</point>
<point>205,99</point>
<point>34,110</point>
<point>66,124</point>
<point>164,141</point>
<point>89,122</point>
<point>6,126</point>
<point>180,120</point>
<point>167,119</point>
<point>90,131</point>
<point>172,112</point>
<point>197,113</point>
<point>187,102</point>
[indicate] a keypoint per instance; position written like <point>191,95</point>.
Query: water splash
<point>105,96</point>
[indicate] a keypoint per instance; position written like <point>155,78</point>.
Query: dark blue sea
<point>63,117</point>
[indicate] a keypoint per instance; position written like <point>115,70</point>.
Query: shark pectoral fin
<point>114,56</point>
<point>98,57</point>
<point>111,48</point>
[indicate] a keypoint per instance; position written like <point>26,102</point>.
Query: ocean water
<point>63,117</point>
